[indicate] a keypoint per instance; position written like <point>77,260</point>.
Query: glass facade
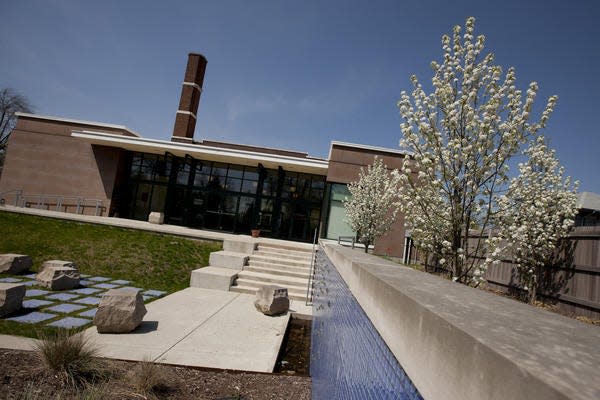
<point>226,197</point>
<point>336,225</point>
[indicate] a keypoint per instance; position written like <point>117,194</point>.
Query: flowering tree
<point>373,206</point>
<point>537,211</point>
<point>462,136</point>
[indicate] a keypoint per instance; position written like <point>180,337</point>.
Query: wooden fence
<point>574,284</point>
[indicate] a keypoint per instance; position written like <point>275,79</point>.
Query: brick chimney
<point>185,120</point>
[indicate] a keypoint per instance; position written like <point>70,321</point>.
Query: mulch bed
<point>22,373</point>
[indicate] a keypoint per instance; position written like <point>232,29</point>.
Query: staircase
<point>275,264</point>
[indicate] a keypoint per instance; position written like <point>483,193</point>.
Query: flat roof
<point>588,200</point>
<point>204,152</point>
<point>367,147</point>
<point>77,121</point>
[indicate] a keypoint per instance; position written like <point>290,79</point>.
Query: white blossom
<point>462,136</point>
<point>536,212</point>
<point>372,209</point>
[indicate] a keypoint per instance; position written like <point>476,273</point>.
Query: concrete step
<point>265,253</point>
<point>281,249</point>
<point>252,290</point>
<point>267,264</point>
<point>263,278</point>
<point>281,260</point>
<point>277,271</point>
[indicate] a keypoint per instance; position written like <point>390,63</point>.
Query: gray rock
<point>272,300</point>
<point>57,277</point>
<point>120,311</point>
<point>11,297</point>
<point>156,218</point>
<point>58,263</point>
<point>14,263</point>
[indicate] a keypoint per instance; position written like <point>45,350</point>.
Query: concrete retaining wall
<point>456,342</point>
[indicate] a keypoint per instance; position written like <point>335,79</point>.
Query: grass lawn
<point>148,260</point>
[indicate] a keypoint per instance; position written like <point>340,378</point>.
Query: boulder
<point>57,277</point>
<point>14,263</point>
<point>11,297</point>
<point>120,311</point>
<point>272,300</point>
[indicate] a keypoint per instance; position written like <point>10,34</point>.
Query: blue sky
<point>294,74</point>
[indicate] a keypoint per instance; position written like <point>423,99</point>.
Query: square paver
<point>146,297</point>
<point>92,301</point>
<point>106,286</point>
<point>154,293</point>
<point>35,292</point>
<point>65,308</point>
<point>86,291</point>
<point>10,280</point>
<point>62,296</point>
<point>70,322</point>
<point>30,276</point>
<point>98,279</point>
<point>35,303</point>
<point>120,282</point>
<point>85,282</point>
<point>33,317</point>
<point>89,313</point>
<point>30,283</point>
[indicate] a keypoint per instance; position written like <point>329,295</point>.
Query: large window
<point>233,198</point>
<point>336,218</point>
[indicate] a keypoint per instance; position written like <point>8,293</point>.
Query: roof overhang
<point>377,149</point>
<point>201,152</point>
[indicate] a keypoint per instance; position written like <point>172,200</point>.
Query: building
<point>58,162</point>
<point>588,209</point>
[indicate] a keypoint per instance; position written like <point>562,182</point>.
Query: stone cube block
<point>272,300</point>
<point>228,259</point>
<point>14,263</point>
<point>120,311</point>
<point>11,297</point>
<point>156,218</point>
<point>58,278</point>
<point>216,278</point>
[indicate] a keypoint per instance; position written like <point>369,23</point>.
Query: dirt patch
<point>23,376</point>
<point>294,357</point>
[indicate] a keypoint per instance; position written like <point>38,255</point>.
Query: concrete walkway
<point>202,328</point>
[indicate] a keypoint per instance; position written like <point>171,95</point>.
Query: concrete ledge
<point>245,246</point>
<point>213,278</point>
<point>456,342</point>
<point>228,259</point>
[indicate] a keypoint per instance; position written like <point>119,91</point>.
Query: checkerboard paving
<point>80,305</point>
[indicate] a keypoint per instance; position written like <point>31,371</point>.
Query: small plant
<point>68,354</point>
<point>148,378</point>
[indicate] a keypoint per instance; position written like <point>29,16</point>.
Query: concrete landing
<point>202,328</point>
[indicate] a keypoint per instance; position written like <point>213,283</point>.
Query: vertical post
<point>78,205</point>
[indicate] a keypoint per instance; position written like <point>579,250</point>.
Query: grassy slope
<point>149,260</point>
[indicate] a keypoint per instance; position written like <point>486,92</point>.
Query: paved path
<point>203,328</point>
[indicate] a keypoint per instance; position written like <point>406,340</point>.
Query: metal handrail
<point>311,272</point>
<point>18,193</point>
<point>46,200</point>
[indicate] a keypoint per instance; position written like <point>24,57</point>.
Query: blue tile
<point>146,298</point>
<point>120,282</point>
<point>65,308</point>
<point>84,282</point>
<point>86,291</point>
<point>30,276</point>
<point>92,301</point>
<point>10,280</point>
<point>106,286</point>
<point>98,279</point>
<point>35,292</point>
<point>154,293</point>
<point>35,303</point>
<point>89,313</point>
<point>30,283</point>
<point>70,322</point>
<point>62,296</point>
<point>32,317</point>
